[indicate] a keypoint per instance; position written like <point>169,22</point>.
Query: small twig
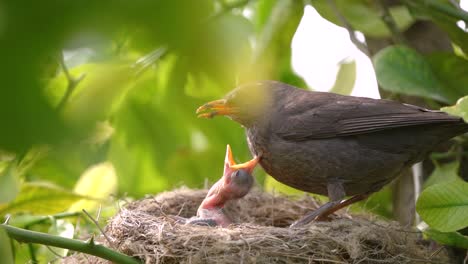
<point>387,18</point>
<point>32,253</point>
<point>28,236</point>
<point>49,217</point>
<point>54,252</point>
<point>72,82</point>
<point>100,229</point>
<point>352,35</point>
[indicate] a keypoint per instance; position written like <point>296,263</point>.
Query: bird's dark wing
<point>325,115</point>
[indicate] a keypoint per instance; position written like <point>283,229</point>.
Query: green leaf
<point>444,206</point>
<point>451,70</point>
<point>98,93</point>
<point>40,198</point>
<point>9,183</point>
<point>401,69</point>
<point>6,251</point>
<point>459,109</point>
<point>443,173</point>
<point>345,78</point>
<point>364,16</point>
<point>453,239</point>
<point>99,182</point>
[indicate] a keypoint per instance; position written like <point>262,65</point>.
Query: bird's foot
<point>320,214</point>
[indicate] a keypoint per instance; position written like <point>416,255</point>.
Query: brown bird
<point>235,183</point>
<point>332,144</point>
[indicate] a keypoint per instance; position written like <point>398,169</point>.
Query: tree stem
<point>27,236</point>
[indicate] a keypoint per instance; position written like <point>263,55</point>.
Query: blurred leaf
<point>446,22</point>
<point>453,239</point>
<point>451,70</point>
<point>403,70</point>
<point>459,109</point>
<point>443,173</point>
<point>379,203</point>
<point>444,206</point>
<point>272,54</point>
<point>99,182</point>
<point>98,93</point>
<point>364,16</point>
<point>272,185</point>
<point>40,198</point>
<point>6,251</point>
<point>345,78</point>
<point>9,183</point>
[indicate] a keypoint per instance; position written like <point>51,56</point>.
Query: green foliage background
<point>98,97</point>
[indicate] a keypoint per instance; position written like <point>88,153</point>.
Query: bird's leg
<point>336,193</point>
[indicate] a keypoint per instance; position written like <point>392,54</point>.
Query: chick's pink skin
<point>234,184</point>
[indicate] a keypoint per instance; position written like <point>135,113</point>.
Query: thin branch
<point>27,236</point>
<point>352,35</point>
<point>387,18</point>
<point>72,82</point>
<point>49,217</point>
<point>100,229</point>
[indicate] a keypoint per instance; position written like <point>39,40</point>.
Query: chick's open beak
<point>249,166</point>
<point>214,108</point>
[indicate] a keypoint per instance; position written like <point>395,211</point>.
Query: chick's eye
<point>235,174</point>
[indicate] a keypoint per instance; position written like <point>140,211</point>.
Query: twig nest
<point>149,229</point>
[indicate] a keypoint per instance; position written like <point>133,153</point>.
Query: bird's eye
<point>242,177</point>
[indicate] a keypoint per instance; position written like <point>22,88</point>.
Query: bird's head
<point>246,104</point>
<point>236,182</point>
<point>237,178</point>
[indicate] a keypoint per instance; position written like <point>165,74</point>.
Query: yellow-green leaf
<point>345,78</point>
<point>6,251</point>
<point>99,182</point>
<point>40,198</point>
<point>444,206</point>
<point>459,109</point>
<point>443,173</point>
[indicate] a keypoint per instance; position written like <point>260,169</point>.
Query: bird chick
<point>236,182</point>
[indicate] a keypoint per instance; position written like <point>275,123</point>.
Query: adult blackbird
<point>332,144</point>
<point>235,183</point>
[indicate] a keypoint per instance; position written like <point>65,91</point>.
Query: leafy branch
<point>90,247</point>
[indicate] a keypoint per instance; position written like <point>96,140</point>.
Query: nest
<point>149,229</point>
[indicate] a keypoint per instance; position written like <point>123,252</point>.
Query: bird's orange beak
<point>230,164</point>
<point>214,108</point>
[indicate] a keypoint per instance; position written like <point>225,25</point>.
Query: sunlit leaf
<point>401,69</point>
<point>443,173</point>
<point>345,78</point>
<point>459,109</point>
<point>99,182</point>
<point>40,198</point>
<point>5,248</point>
<point>453,239</point>
<point>444,206</point>
<point>9,183</point>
